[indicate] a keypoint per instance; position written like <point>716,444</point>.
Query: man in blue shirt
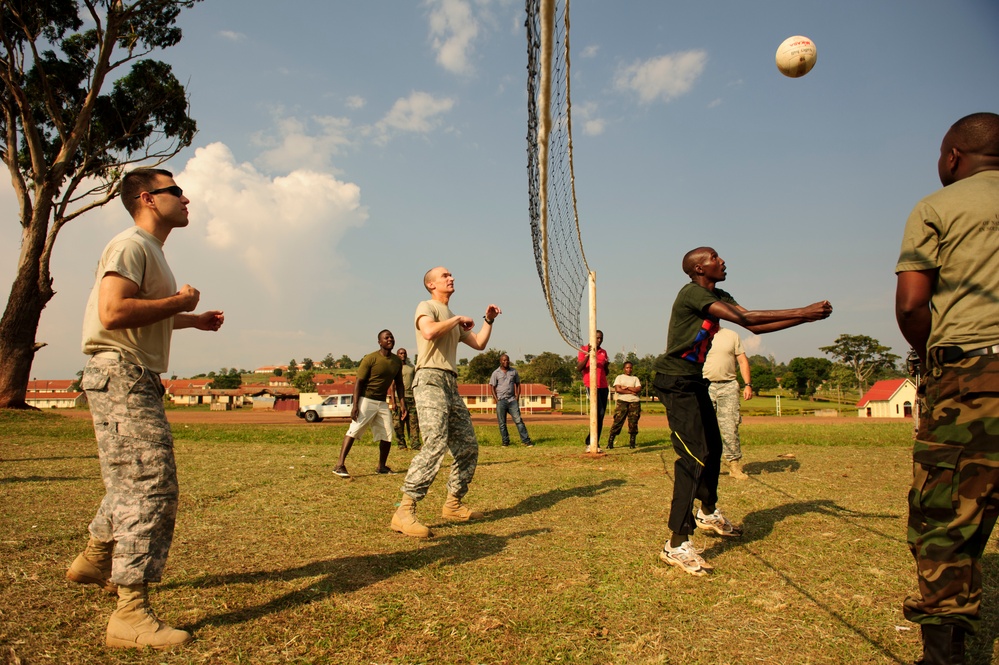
<point>505,387</point>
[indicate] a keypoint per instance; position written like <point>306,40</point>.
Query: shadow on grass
<point>46,459</point>
<point>773,466</point>
<point>349,574</point>
<point>39,479</point>
<point>545,500</point>
<point>758,525</point>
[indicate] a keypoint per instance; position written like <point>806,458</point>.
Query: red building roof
<point>882,391</point>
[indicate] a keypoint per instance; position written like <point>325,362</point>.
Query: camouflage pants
<point>135,447</point>
<point>412,423</point>
<point>954,499</point>
<point>446,427</point>
<point>725,398</point>
<point>630,410</point>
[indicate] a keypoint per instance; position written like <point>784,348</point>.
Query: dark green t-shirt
<point>691,330</point>
<point>380,371</point>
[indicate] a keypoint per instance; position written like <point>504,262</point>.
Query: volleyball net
<point>558,246</point>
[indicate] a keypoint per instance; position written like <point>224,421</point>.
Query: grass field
<point>275,560</point>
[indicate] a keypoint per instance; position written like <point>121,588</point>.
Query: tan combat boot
<point>134,625</point>
<point>735,470</point>
<point>404,519</point>
<point>454,510</point>
<point>93,566</point>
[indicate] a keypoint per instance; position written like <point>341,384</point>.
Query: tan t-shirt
<point>440,353</point>
<point>720,365</point>
<point>956,229</point>
<point>626,381</point>
<point>137,256</point>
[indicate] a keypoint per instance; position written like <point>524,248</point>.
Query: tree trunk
<point>29,294</point>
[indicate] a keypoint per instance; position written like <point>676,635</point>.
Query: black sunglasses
<point>172,189</point>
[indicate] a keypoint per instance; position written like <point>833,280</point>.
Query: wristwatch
<point>487,320</point>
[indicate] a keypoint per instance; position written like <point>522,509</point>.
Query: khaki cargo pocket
<point>95,379</point>
<point>936,480</point>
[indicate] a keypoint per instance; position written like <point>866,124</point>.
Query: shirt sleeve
<point>920,240</point>
<point>127,259</point>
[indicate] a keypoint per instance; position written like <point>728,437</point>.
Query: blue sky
<point>346,147</point>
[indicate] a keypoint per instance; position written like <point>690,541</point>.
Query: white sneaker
<point>685,558</point>
<point>718,523</point>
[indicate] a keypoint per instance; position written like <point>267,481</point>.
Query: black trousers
<point>602,395</point>
<point>698,445</point>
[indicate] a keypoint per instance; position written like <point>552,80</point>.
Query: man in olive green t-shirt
<point>377,373</point>
<point>444,421</point>
<point>947,307</point>
<point>684,392</point>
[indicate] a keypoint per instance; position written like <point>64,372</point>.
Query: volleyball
<point>796,56</point>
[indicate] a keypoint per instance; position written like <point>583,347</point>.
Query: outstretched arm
<point>479,340</point>
<point>763,321</point>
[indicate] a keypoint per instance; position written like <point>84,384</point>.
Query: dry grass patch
<point>276,560</point>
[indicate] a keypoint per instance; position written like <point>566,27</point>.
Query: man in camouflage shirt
<point>947,307</point>
<point>133,309</point>
<point>412,420</point>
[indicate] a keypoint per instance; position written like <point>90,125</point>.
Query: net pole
<point>594,444</point>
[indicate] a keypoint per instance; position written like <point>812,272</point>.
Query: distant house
<point>65,399</point>
<point>533,397</point>
<point>892,398</point>
<point>270,369</point>
<point>55,394</point>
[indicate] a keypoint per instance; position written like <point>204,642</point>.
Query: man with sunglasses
<point>133,309</point>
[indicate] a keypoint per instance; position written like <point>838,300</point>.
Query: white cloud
<point>355,102</point>
<point>664,78</point>
<point>304,145</point>
<point>260,227</point>
<point>453,30</point>
<point>232,36</point>
<point>590,51</point>
<point>586,116</point>
<point>419,113</point>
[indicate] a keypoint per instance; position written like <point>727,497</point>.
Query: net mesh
<point>558,246</point>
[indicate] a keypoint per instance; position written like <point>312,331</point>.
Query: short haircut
<point>135,182</point>
<point>382,332</point>
<point>693,258</point>
<point>628,362</point>
<point>427,279</point>
<point>977,133</point>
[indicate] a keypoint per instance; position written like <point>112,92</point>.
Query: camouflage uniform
<point>630,410</point>
<point>135,447</point>
<point>725,397</point>
<point>446,427</point>
<point>412,423</point>
<point>954,499</point>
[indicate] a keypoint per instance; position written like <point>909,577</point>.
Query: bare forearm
<point>479,340</point>
<point>136,313</point>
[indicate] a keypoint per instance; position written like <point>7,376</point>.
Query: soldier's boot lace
<point>133,624</point>
<point>93,566</point>
<point>404,519</point>
<point>454,509</point>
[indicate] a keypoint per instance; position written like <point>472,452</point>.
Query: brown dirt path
<point>267,417</point>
